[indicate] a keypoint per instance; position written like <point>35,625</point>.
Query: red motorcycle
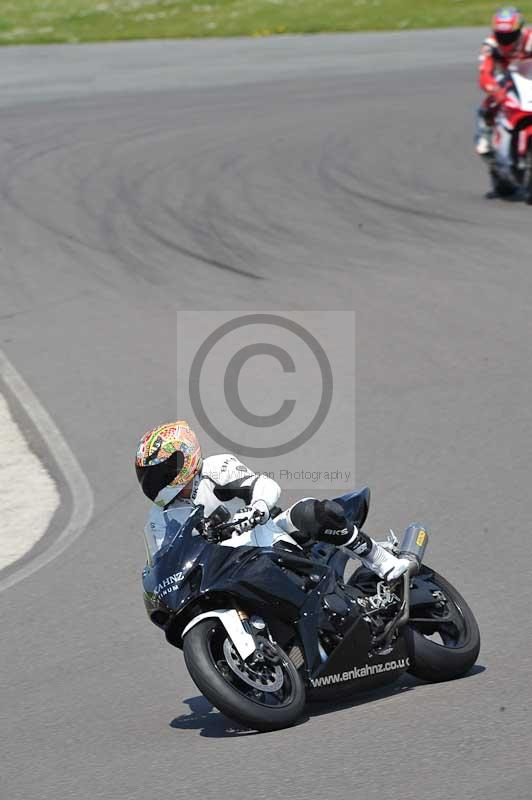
<point>511,164</point>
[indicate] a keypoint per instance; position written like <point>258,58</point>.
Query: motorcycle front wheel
<point>265,694</point>
<point>443,637</point>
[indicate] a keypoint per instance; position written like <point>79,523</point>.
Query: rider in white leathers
<point>172,474</point>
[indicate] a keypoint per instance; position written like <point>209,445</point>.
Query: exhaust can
<point>414,543</point>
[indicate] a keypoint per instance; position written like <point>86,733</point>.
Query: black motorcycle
<point>263,629</point>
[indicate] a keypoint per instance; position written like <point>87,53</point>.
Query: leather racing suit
<point>225,480</point>
<point>493,65</point>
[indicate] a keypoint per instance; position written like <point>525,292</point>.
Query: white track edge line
<point>80,490</point>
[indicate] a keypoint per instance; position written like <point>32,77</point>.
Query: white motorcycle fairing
<point>522,80</point>
<point>521,92</point>
<point>261,536</point>
<point>242,640</point>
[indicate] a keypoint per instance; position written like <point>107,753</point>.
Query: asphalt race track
<point>292,173</point>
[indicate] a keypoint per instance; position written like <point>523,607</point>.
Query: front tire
<point>457,629</point>
<point>233,687</point>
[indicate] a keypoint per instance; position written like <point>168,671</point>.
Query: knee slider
<point>313,517</point>
<point>330,515</point>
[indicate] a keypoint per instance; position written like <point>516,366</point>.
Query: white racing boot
<point>483,146</point>
<point>383,563</point>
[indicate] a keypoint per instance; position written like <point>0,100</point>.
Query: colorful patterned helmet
<point>507,27</point>
<point>168,457</point>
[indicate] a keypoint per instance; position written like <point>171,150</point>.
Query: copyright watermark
<point>277,389</point>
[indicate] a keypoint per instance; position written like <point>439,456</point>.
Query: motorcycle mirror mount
<point>220,515</point>
<point>214,525</point>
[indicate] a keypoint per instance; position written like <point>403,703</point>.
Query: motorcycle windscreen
<point>523,68</point>
<point>176,556</point>
<point>522,80</point>
<point>165,527</point>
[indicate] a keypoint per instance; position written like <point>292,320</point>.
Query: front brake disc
<point>263,675</point>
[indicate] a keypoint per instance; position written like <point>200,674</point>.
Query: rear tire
<point>501,187</point>
<point>436,662</point>
<point>203,648</point>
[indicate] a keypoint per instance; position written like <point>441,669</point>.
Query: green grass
<point>96,20</point>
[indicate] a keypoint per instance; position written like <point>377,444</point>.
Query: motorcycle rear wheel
<point>457,629</point>
<point>221,680</point>
<point>501,187</point>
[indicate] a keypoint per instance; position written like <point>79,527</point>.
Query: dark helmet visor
<point>156,476</point>
<point>507,38</point>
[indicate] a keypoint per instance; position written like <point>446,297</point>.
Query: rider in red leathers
<point>510,41</point>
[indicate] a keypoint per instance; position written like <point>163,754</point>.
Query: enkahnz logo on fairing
<point>360,672</point>
<point>169,584</point>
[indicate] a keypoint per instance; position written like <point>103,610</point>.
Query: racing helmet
<point>507,25</point>
<point>168,457</point>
